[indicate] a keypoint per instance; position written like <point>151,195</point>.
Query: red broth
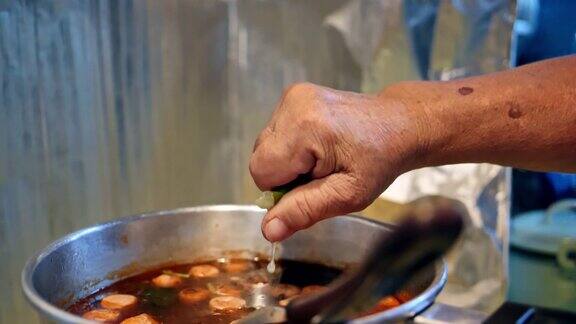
<point>207,292</point>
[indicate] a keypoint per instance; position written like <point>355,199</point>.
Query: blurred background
<point>111,108</point>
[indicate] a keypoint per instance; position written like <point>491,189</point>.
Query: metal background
<point>111,107</point>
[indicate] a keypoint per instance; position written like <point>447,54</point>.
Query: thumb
<point>336,194</point>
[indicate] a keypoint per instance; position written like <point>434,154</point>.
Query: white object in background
<point>545,231</point>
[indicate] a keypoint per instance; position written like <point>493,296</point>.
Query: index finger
<point>277,161</point>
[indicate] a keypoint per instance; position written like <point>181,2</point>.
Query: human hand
<point>351,145</point>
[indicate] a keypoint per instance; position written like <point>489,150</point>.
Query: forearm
<point>524,118</point>
<point>353,146</point>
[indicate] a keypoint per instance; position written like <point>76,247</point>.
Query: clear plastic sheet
<point>478,264</point>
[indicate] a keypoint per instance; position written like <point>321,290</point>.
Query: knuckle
<point>264,135</point>
<point>261,166</point>
<point>299,93</point>
<point>314,119</point>
<point>301,88</point>
<point>310,121</point>
<point>256,172</point>
<point>257,143</point>
<point>307,98</point>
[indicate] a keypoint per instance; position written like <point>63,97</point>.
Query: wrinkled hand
<point>353,146</point>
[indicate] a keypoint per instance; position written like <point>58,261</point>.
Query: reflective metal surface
<point>93,258</point>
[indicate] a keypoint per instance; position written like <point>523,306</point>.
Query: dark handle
<point>429,230</point>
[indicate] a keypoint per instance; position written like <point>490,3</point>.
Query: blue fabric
<point>564,185</point>
<point>546,29</point>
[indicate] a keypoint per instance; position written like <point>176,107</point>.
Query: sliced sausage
<point>102,315</point>
<point>204,271</point>
<point>385,303</point>
<point>118,301</point>
<point>191,296</point>
<point>227,303</point>
<point>228,289</point>
<point>167,281</point>
<point>388,302</point>
<point>140,319</point>
<point>235,266</point>
<point>403,296</point>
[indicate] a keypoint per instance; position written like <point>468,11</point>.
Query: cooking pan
<point>93,258</point>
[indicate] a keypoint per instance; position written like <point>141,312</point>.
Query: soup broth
<point>219,291</point>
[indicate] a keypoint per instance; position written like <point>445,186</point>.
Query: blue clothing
<point>543,29</point>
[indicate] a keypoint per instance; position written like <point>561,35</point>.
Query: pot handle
<point>441,313</point>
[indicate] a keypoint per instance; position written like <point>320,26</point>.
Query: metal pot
<point>90,259</point>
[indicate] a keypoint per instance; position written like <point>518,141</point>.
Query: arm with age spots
<point>354,145</point>
<point>525,117</point>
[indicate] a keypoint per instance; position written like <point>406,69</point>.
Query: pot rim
<point>410,308</point>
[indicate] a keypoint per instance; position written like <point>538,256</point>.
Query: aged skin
<point>354,145</point>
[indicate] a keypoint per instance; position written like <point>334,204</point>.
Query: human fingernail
<point>275,230</point>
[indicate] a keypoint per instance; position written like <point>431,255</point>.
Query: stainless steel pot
<point>93,258</point>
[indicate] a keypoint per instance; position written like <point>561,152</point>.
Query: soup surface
<point>218,291</point>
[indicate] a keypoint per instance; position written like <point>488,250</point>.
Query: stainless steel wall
<point>110,108</point>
